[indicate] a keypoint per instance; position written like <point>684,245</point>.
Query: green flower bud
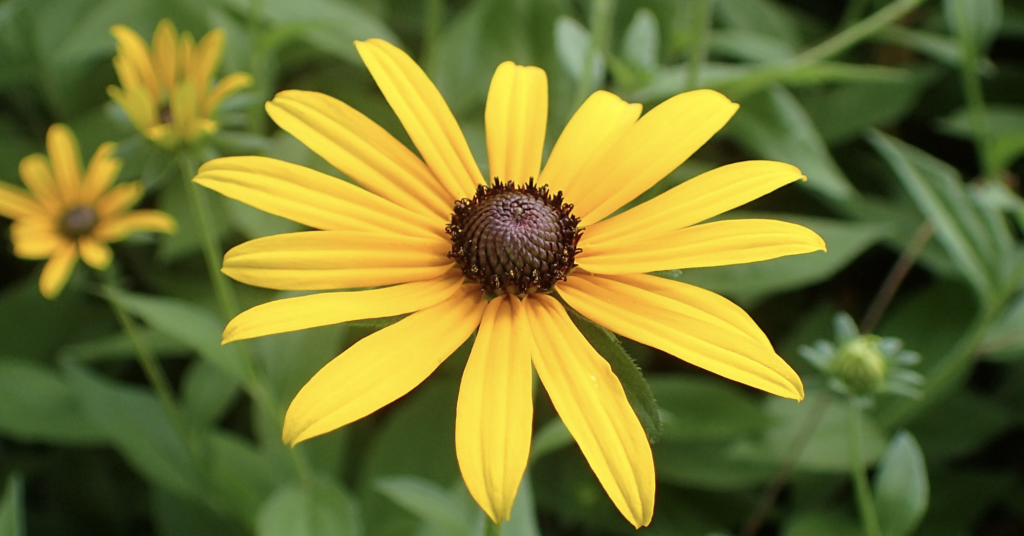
<point>861,365</point>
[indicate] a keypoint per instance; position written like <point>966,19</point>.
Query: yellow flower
<point>66,215</point>
<point>464,257</point>
<point>166,92</point>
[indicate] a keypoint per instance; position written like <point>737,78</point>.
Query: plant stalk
<point>491,528</point>
<point>862,489</point>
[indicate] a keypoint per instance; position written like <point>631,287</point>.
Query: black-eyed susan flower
<point>466,255</point>
<point>168,92</point>
<point>66,214</point>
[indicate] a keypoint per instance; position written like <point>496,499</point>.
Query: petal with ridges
<point>494,420</point>
<point>226,87</point>
<point>702,197</point>
<point>361,149</point>
<point>718,243</point>
<point>702,334</point>
<point>58,270</point>
<point>592,404</point>
<point>324,309</point>
<point>310,197</point>
<point>118,227</point>
<point>516,119</point>
<point>133,48</point>
<point>654,146</point>
<point>95,253</point>
<point>16,202</point>
<point>424,114</point>
<point>594,129</point>
<point>100,174</point>
<point>382,367</point>
<point>35,173</point>
<point>323,260</point>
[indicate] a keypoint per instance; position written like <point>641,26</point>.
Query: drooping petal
<point>324,309</point>
<point>57,270</point>
<point>592,404</point>
<point>424,114</point>
<point>324,260</point>
<point>119,199</point>
<point>95,253</point>
<point>309,197</point>
<point>35,237</point>
<point>66,161</point>
<point>16,202</point>
<point>36,175</point>
<point>133,48</point>
<point>226,87</point>
<point>516,119</point>
<point>361,149</point>
<point>654,146</point>
<point>494,420</point>
<point>702,197</point>
<point>692,324</point>
<point>718,243</point>
<point>594,129</point>
<point>118,227</point>
<point>101,173</point>
<point>382,367</point>
<point>165,54</point>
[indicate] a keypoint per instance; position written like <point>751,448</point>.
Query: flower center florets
<point>77,222</point>
<point>514,239</point>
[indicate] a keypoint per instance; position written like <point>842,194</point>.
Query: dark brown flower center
<point>77,222</point>
<point>514,239</point>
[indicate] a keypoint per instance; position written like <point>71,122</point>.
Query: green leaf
<point>239,475</point>
<point>36,405</point>
<point>119,347</point>
<point>709,465</point>
<point>704,408</point>
<point>822,524</point>
<point>317,508</point>
<point>1004,338</point>
<point>523,521</point>
<point>134,421</point>
<point>844,112</point>
<point>174,515</point>
<point>975,22</point>
<point>187,323</point>
<point>12,508</point>
<point>750,46</point>
<point>765,17</point>
<point>36,328</point>
<point>430,502</point>
<point>939,193</point>
<point>637,391</point>
<point>641,40</point>
<point>549,438</point>
<point>573,45</point>
<point>1005,124</point>
<point>901,486</point>
<point>207,392</point>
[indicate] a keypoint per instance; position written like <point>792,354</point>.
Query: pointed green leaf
<point>317,508</point>
<point>36,405</point>
<point>429,501</point>
<point>901,486</point>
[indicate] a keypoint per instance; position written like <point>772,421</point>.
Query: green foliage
<point>901,486</point>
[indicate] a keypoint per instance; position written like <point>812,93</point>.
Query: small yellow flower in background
<point>66,214</point>
<point>166,91</point>
<point>464,255</point>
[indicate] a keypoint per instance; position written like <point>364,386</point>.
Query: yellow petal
<point>184,110</point>
<point>494,420</point>
<point>382,367</point>
<point>133,49</point>
<point>592,404</point>
<point>304,312</point>
<point>204,63</point>
<point>226,87</point>
<point>692,324</point>
<point>165,54</point>
<point>717,243</point>
<point>323,260</point>
<point>35,238</point>
<point>95,253</point>
<point>594,129</point>
<point>35,173</point>
<point>119,199</point>
<point>101,173</point>
<point>16,202</point>
<point>516,119</point>
<point>186,44</point>
<point>118,227</point>
<point>361,149</point>
<point>702,197</point>
<point>310,197</point>
<point>654,146</point>
<point>425,115</point>
<point>137,104</point>
<point>66,161</point>
<point>58,270</point>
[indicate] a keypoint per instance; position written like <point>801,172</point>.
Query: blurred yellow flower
<point>464,255</point>
<point>67,214</point>
<point>166,91</point>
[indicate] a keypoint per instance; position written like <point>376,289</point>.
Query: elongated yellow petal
<point>35,238</point>
<point>425,115</point>
<point>304,312</point>
<point>165,54</point>
<point>95,253</point>
<point>694,325</point>
<point>494,420</point>
<point>594,129</point>
<point>361,149</point>
<point>133,48</point>
<point>137,104</point>
<point>119,199</point>
<point>184,110</point>
<point>203,65</point>
<point>310,197</point>
<point>593,406</point>
<point>66,161</point>
<point>516,119</point>
<point>226,87</point>
<point>186,44</point>
<point>324,260</point>
<point>717,243</point>
<point>382,367</point>
<point>702,197</point>
<point>118,227</point>
<point>58,270</point>
<point>35,173</point>
<point>16,202</point>
<point>100,174</point>
<point>654,146</point>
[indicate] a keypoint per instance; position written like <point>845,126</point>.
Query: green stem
<point>849,37</point>
<point>701,28</point>
<point>854,10</point>
<point>432,26</point>
<point>491,528</point>
<point>974,95</point>
<point>865,501</point>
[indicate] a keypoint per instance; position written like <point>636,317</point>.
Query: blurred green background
<point>907,116</point>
